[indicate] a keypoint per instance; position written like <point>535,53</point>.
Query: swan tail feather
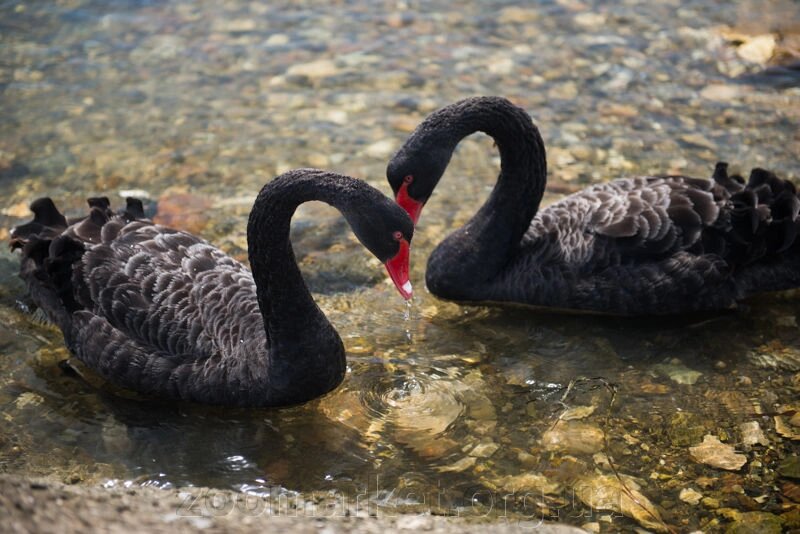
<point>762,219</point>
<point>52,246</point>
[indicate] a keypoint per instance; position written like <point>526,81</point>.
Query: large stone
<point>790,467</point>
<point>755,523</point>
<point>717,454</point>
<point>619,495</point>
<point>573,437</point>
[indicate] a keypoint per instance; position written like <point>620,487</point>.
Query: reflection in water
<point>444,407</point>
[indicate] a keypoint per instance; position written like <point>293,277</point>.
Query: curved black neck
<point>306,356</point>
<point>481,248</point>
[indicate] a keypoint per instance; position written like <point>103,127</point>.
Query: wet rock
<point>755,523</point>
<point>484,449</point>
<point>791,520</point>
<point>73,477</point>
<point>790,467</point>
<point>589,19</point>
<point>787,424</point>
<point>573,437</point>
<point>698,140</point>
<point>318,160</point>
<point>655,389</point>
<point>528,482</point>
<point>677,372</point>
<point>721,92</point>
<point>381,149</point>
<point>222,24</point>
<point>403,123</point>
<point>183,211</point>
<point>791,491</point>
<point>758,49</point>
<point>743,380</point>
<point>501,65</point>
<point>618,110</point>
<point>345,407</point>
<point>690,496</point>
<point>606,492</point>
<point>735,401</point>
<point>515,15</point>
<point>19,210</point>
<point>461,465</point>
<point>717,454</point>
<point>336,116</point>
<point>407,104</point>
<point>277,39</point>
<point>601,460</point>
<point>577,412</point>
<point>13,170</point>
<point>141,194</point>
<point>315,69</point>
<point>399,19</point>
<point>776,355</point>
<point>684,429</point>
<point>28,400</point>
<point>224,120</point>
<point>564,91</point>
<point>519,374</point>
<point>752,434</point>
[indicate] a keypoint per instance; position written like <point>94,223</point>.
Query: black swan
<point>165,313</point>
<point>646,245</point>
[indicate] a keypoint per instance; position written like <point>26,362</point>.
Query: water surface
<point>194,105</point>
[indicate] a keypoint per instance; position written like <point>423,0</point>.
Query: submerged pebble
<point>776,355</point>
<point>755,522</point>
<point>623,496</point>
<point>717,454</point>
<point>677,372</point>
<point>690,496</point>
<point>573,437</point>
<point>527,482</point>
<point>28,400</point>
<point>752,434</point>
<point>790,467</point>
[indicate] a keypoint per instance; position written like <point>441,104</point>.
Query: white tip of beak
<point>407,287</point>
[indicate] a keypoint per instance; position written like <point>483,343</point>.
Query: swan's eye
<point>408,179</point>
<point>398,235</point>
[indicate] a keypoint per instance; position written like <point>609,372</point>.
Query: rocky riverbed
<point>447,412</point>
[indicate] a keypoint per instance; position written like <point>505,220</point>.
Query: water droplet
<point>407,319</point>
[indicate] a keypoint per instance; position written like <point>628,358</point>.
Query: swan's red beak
<point>413,207</point>
<point>398,270</point>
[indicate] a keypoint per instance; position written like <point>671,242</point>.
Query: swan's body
<point>165,313</point>
<point>647,245</point>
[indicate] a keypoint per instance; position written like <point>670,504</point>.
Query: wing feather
<point>656,217</point>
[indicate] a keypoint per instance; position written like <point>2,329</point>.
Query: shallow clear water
<point>196,105</point>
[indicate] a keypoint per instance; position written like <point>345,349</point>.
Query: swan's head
<point>414,172</point>
<point>386,230</point>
